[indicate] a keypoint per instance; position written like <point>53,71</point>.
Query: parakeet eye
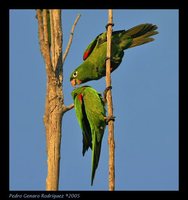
<point>75,74</point>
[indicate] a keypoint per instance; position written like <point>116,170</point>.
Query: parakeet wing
<point>83,122</point>
<point>90,48</point>
<point>95,112</point>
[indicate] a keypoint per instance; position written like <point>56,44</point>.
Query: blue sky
<point>145,97</point>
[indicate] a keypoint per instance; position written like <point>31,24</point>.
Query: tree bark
<point>54,106</point>
<point>53,120</point>
<point>110,105</point>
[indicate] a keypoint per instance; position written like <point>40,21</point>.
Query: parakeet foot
<point>112,24</point>
<point>109,118</point>
<point>108,58</point>
<point>105,93</point>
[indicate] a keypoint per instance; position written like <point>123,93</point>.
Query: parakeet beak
<point>75,82</point>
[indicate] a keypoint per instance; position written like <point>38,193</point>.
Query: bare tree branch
<point>57,39</point>
<point>52,29</point>
<point>43,40</point>
<point>40,29</point>
<point>70,38</point>
<point>50,40</point>
<point>110,104</point>
<point>67,108</point>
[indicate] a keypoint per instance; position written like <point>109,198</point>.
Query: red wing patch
<point>86,54</point>
<point>80,97</point>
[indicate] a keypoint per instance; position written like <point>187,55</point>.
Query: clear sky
<point>145,97</point>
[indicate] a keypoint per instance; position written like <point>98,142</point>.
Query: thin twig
<point>70,38</point>
<point>110,104</point>
<point>67,108</point>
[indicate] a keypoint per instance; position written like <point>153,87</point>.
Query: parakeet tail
<point>86,143</point>
<point>96,150</point>
<point>141,34</point>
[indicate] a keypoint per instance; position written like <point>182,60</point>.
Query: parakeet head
<point>81,74</point>
<point>76,77</point>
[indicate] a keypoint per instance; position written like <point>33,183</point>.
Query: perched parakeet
<point>90,112</point>
<point>94,65</point>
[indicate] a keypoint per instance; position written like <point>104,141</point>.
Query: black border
<point>183,44</point>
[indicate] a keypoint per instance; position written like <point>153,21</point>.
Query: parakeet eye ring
<point>75,74</point>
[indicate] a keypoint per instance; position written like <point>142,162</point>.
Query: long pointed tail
<point>141,34</point>
<point>96,150</point>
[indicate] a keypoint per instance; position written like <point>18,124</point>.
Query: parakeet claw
<point>112,24</point>
<point>105,93</point>
<point>109,118</point>
<point>108,58</point>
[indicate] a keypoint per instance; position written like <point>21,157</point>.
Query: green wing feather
<point>82,119</point>
<point>93,67</point>
<point>90,112</point>
<point>90,48</point>
<point>95,111</point>
<point>141,34</point>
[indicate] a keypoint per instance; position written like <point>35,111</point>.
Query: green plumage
<point>90,113</point>
<point>94,65</point>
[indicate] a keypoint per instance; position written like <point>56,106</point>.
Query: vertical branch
<point>43,40</point>
<point>50,40</point>
<point>111,142</point>
<point>52,29</point>
<point>57,35</point>
<point>54,94</point>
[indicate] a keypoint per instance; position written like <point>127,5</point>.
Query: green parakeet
<point>94,65</point>
<point>90,112</point>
